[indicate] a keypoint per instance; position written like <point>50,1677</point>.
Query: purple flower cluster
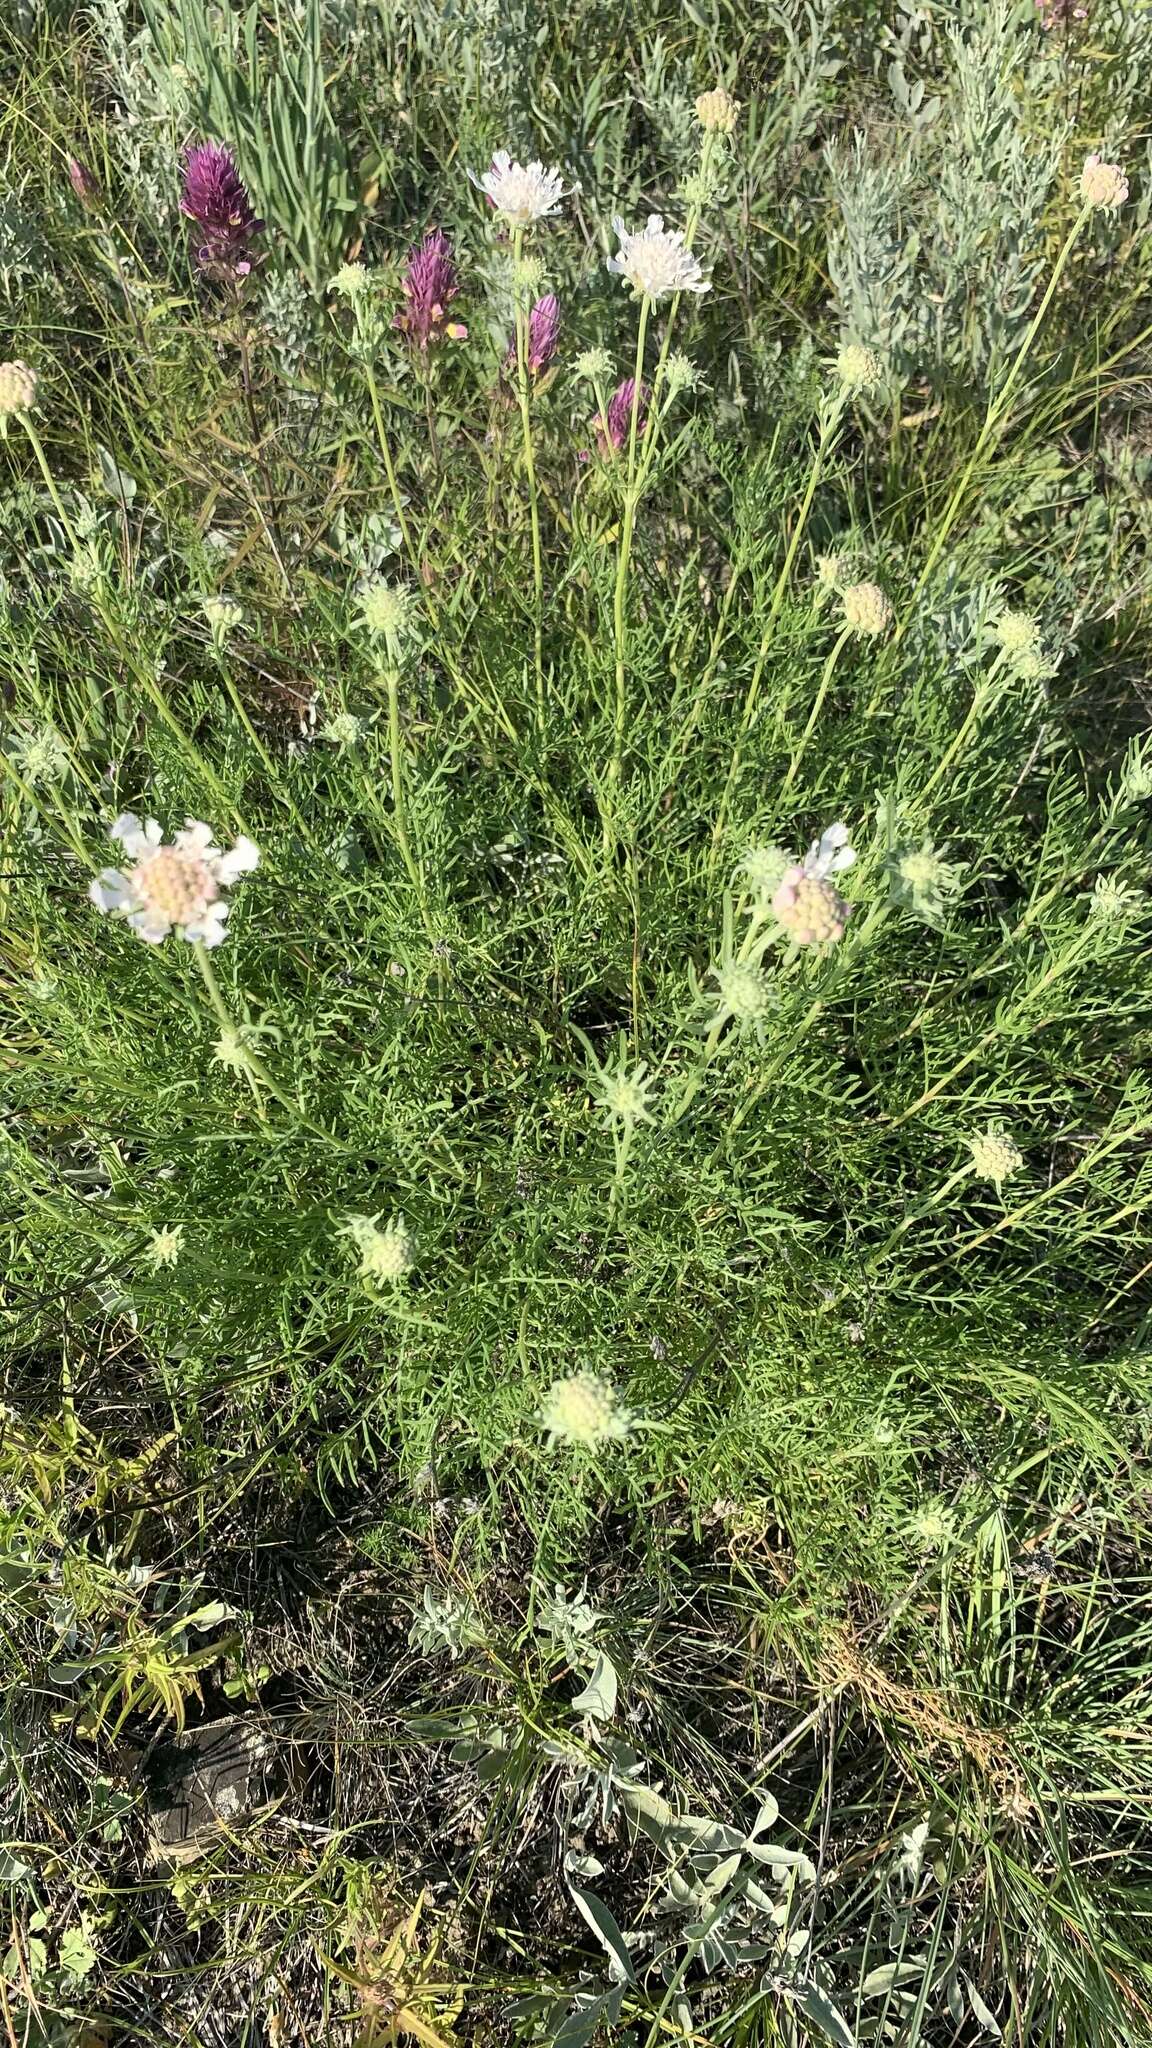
<point>1060,13</point>
<point>214,197</point>
<point>618,418</point>
<point>430,284</point>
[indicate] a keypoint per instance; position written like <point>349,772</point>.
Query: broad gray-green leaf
<point>980,2011</point>
<point>818,2008</point>
<point>604,1926</point>
<point>767,1817</point>
<point>598,1697</point>
<point>890,1976</point>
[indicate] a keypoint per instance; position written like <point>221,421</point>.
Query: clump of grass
<point>575,1249</point>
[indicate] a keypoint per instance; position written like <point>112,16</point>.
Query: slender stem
<point>38,451</point>
<point>253,1066</point>
<point>530,469</point>
<point>993,418</point>
<point>265,757</point>
<point>828,429</point>
<point>141,669</point>
<point>985,689</point>
<point>389,465</point>
<point>399,806</point>
<point>925,1208</point>
<point>829,670</point>
<point>619,606</point>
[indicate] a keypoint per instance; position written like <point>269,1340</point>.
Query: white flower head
<point>343,729</point>
<point>1113,902</point>
<point>1102,185</point>
<point>387,1254</point>
<point>388,610</point>
<point>743,996</point>
<point>17,391</point>
<point>223,615</point>
<point>934,1525</point>
<point>681,375</point>
<point>717,111</point>
<point>521,192</point>
<point>995,1156</point>
<point>42,756</point>
<point>584,1409</point>
<point>352,280</point>
<point>172,888</point>
<point>830,854</point>
<point>164,1246</point>
<point>654,261</point>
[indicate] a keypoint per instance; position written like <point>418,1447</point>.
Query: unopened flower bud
<point>716,111</point>
<point>866,609</point>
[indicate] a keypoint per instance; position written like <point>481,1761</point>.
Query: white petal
<point>212,928</point>
<point>655,224</point>
<point>150,924</point>
<point>240,859</point>
<point>110,890</point>
<point>129,831</point>
<point>196,836</point>
<point>153,833</point>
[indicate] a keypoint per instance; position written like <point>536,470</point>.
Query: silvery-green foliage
<point>273,97</point>
<point>288,312</point>
<point>940,248</point>
<point>487,47</point>
<point>445,1625</point>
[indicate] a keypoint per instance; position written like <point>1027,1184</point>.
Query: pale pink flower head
<point>1102,185</point>
<point>811,911</point>
<point>172,888</point>
<point>430,283</point>
<point>1060,13</point>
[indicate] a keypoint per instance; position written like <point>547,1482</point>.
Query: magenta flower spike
<point>543,336</point>
<point>430,283</point>
<point>543,333</point>
<point>83,183</point>
<point>619,418</point>
<point>215,198</point>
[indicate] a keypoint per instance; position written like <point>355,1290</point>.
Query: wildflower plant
<point>666,1118</point>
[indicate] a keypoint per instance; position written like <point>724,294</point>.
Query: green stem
<point>141,671</point>
<point>828,430</point>
<point>389,466</point>
<point>530,471</point>
<point>985,689</point>
<point>997,409</point>
<point>619,606</point>
<point>399,807</point>
<point>38,451</point>
<point>255,1067</point>
<point>825,680</point>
